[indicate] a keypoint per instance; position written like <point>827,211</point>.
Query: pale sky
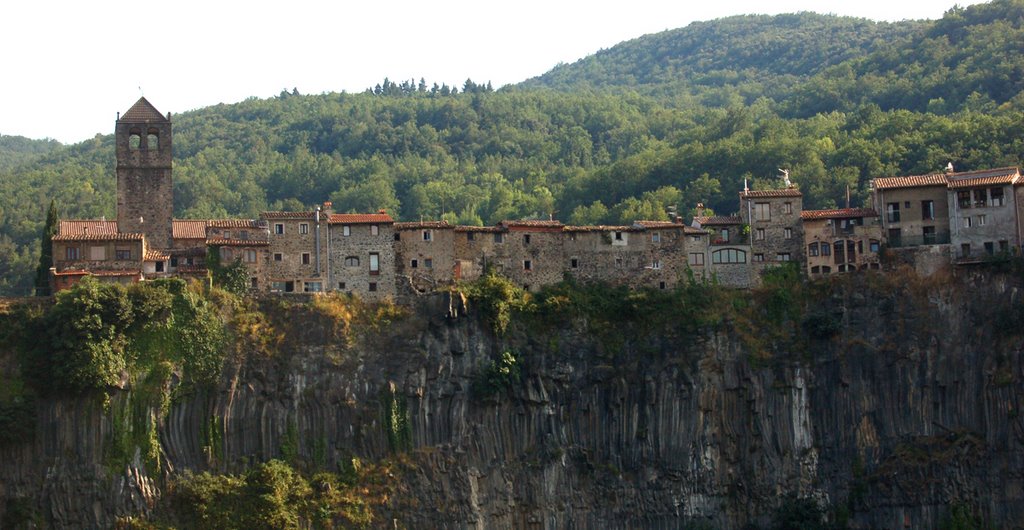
<point>69,66</point>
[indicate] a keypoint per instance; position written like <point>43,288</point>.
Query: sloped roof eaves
<point>233,223</point>
<point>86,226</point>
<point>841,213</point>
<point>532,223</point>
<point>360,218</point>
<point>602,228</point>
<point>1000,180</point>
<point>188,229</point>
<point>423,224</point>
<point>222,242</point>
<point>98,237</point>
<point>771,194</point>
<point>287,215</point>
<point>916,181</point>
<point>487,229</point>
<point>143,111</point>
<point>719,220</point>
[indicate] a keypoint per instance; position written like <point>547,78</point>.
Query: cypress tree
<point>46,251</point>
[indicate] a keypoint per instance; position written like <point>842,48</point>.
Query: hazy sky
<point>70,65</point>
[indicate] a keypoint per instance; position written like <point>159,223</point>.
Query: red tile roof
<point>602,228</point>
<point>188,228</point>
<point>360,218</point>
<point>770,194</point>
<point>288,215</point>
<point>916,181</point>
<point>143,111</point>
<point>532,223</point>
<point>841,213</point>
<point>156,255</point>
<point>987,177</point>
<point>98,237</point>
<point>658,224</point>
<point>86,226</point>
<point>719,220</point>
<point>422,224</point>
<point>220,241</point>
<point>466,228</point>
<point>233,223</point>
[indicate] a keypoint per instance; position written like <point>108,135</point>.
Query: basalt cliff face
<point>896,406</point>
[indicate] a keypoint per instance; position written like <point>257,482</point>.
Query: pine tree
<point>46,251</point>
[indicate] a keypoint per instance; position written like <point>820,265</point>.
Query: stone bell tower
<point>145,197</point>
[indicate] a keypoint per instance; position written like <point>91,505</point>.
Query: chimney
<point>327,206</point>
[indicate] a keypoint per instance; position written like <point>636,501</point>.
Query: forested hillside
<point>666,120</point>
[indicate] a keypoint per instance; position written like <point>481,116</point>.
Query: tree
<point>46,251</point>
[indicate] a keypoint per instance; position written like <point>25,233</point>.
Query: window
<point>278,256</point>
<point>574,263</point>
<point>174,261</point>
<point>696,259</point>
<point>244,234</point>
<point>892,212</point>
<point>618,236</point>
<point>759,234</point>
<point>499,237</point>
<point>787,207</point>
<point>840,252</point>
<point>152,140</point>
<point>346,230</point>
<point>254,283</point>
<point>374,263</point>
<point>373,287</point>
<point>526,239</point>
<point>895,237</point>
<point>826,249</point>
<point>965,222</point>
<point>729,255</point>
<point>374,230</point>
<point>305,258</point>
<point>415,263</point>
<point>661,285</point>
<point>470,236</point>
<point>758,257</point>
<point>225,254</point>
<point>656,237</point>
<point>815,270</point>
<point>277,286</point>
<point>352,261</point>
<point>965,250</point>
<point>927,210</point>
<point>873,245</point>
<point>123,253</point>
<point>227,234</point>
<point>783,256</point>
<point>71,253</point>
<point>980,220</point>
<point>97,253</point>
<point>313,287</point>
<point>656,264</point>
<point>527,265</point>
<point>398,236</point>
<point>980,198</point>
<point>279,228</point>
<point>426,235</point>
<point>995,196</point>
<point>990,248</point>
<point>812,249</point>
<point>303,228</point>
<point>134,141</point>
<point>963,199</point>
<point>762,211</point>
<point>1004,246</point>
<point>725,235</point>
<point>159,266</point>
<point>906,205</point>
<point>341,286</point>
<point>428,263</point>
<point>788,233</point>
<point>250,256</point>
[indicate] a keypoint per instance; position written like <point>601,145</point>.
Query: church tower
<point>145,197</point>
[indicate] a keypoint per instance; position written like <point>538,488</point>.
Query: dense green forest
<point>670,119</point>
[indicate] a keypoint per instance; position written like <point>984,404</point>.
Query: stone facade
<point>361,255</point>
<point>728,251</point>
<point>424,254</point>
<point>145,195</point>
<point>984,213</point>
<point>297,251</point>
<point>843,240</point>
<point>914,210</point>
<point>772,222</point>
<point>243,241</point>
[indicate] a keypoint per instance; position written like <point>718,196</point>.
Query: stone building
<point>145,195</point>
<point>361,254</point>
<point>984,213</point>
<point>245,241</point>
<point>772,221</point>
<point>914,209</point>
<point>424,254</point>
<point>90,247</point>
<point>478,248</point>
<point>841,240</point>
<point>728,250</point>
<point>533,252</point>
<point>297,251</point>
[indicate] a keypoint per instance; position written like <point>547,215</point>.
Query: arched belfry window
<point>134,139</point>
<point>153,139</point>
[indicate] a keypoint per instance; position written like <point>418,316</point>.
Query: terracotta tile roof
<point>841,213</point>
<point>602,228</point>
<point>220,241</point>
<point>466,228</point>
<point>86,226</point>
<point>143,111</point>
<point>288,215</point>
<point>658,224</point>
<point>887,183</point>
<point>532,223</point>
<point>986,177</point>
<point>156,255</point>
<point>129,272</point>
<point>360,218</point>
<point>188,229</point>
<point>98,237</point>
<point>719,220</point>
<point>233,223</point>
<point>770,194</point>
<point>422,224</point>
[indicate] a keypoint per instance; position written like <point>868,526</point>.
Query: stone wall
<point>425,254</point>
<point>351,247</point>
<point>293,261</point>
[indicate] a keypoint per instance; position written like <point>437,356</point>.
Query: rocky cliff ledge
<point>887,402</point>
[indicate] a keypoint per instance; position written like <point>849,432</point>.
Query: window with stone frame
<point>696,259</point>
<point>305,258</point>
<point>762,211</point>
<point>279,229</point>
<point>352,261</point>
<point>812,249</point>
<point>759,234</point>
<point>346,230</point>
<point>303,228</point>
<point>374,263</point>
<point>787,233</point>
<point>374,230</point>
<point>72,253</point>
